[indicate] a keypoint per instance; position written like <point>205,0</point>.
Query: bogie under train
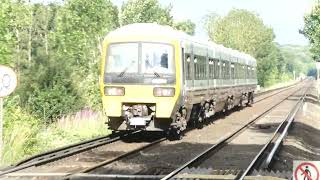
<point>155,78</point>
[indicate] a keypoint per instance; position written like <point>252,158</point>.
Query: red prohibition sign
<point>304,173</point>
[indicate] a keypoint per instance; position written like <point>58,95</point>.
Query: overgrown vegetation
<point>55,50</point>
<point>311,31</point>
<point>245,31</point>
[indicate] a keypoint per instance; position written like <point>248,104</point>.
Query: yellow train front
<point>140,75</point>
<point>146,84</point>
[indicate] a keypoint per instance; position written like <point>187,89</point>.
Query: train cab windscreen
<point>144,63</point>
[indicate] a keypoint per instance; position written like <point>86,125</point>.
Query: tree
<point>297,58</point>
<point>245,31</point>
<point>312,30</point>
<point>81,27</point>
<point>187,26</point>
<point>6,36</point>
<point>145,11</point>
<point>56,49</point>
<point>239,29</point>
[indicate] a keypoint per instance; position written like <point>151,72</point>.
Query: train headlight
<point>114,91</point>
<point>163,92</point>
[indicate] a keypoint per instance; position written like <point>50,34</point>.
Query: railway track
<point>68,156</point>
<point>67,151</point>
<point>62,152</point>
<point>264,156</point>
<point>269,148</point>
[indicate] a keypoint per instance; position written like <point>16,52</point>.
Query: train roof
<point>199,46</point>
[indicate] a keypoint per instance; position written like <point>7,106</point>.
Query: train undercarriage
<point>143,116</point>
<point>202,112</point>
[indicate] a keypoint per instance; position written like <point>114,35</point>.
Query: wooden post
<point>318,69</point>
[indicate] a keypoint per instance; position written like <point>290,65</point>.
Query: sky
<point>284,16</point>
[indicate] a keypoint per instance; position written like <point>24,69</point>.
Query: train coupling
<point>138,115</point>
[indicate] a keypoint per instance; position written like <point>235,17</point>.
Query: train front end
<point>139,81</point>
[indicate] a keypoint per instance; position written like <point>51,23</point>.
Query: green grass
<point>25,135</point>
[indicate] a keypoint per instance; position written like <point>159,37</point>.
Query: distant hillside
<point>297,58</point>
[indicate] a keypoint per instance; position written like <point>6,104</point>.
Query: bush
<point>26,135</point>
<point>51,103</point>
<point>20,130</point>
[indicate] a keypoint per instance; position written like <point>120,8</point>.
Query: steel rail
<point>71,176</point>
<point>116,158</point>
<point>282,89</point>
<point>50,152</point>
<point>274,141</point>
<point>66,151</point>
<point>72,149</point>
<point>113,176</point>
<point>223,142</point>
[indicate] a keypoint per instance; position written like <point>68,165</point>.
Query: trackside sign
<point>306,170</point>
<point>8,81</point>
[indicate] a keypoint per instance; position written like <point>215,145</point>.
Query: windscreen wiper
<point>125,69</point>
<point>154,72</point>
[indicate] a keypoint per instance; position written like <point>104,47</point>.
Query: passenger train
<point>155,78</point>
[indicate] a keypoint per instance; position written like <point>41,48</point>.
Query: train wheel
<point>199,123</point>
<point>174,134</point>
<point>242,103</point>
<point>250,99</point>
<point>178,135</point>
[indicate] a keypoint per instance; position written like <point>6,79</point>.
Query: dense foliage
<point>298,59</point>
<point>56,49</point>
<point>245,31</point>
<point>145,11</point>
<point>187,26</point>
<point>312,30</point>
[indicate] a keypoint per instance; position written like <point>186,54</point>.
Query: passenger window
<point>200,67</point>
<point>211,68</point>
<point>217,68</point>
<point>196,68</point>
<point>232,71</point>
<point>226,66</point>
<point>243,72</point>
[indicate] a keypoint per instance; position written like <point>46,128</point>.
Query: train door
<point>184,75</point>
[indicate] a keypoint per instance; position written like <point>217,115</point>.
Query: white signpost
<point>318,69</point>
<point>8,83</point>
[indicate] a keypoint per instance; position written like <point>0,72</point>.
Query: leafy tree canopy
<point>145,11</point>
<point>187,26</point>
<point>312,31</point>
<point>246,32</point>
<point>239,29</point>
